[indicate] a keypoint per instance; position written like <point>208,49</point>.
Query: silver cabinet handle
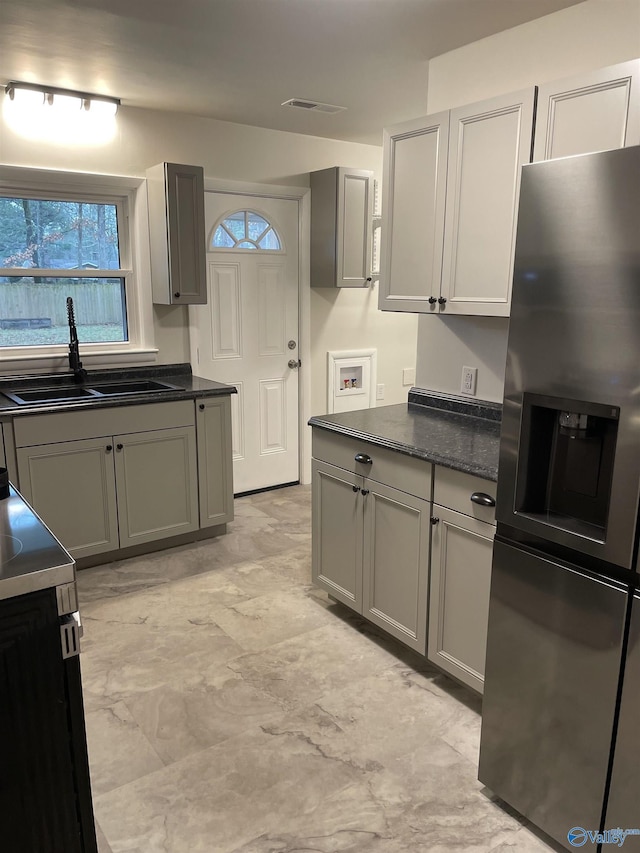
<point>483,499</point>
<point>363,458</point>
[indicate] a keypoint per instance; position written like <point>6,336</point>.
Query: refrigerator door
<point>623,809</point>
<point>573,337</point>
<point>552,669</point>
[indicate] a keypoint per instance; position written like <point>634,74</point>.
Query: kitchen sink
<point>48,395</point>
<point>137,386</point>
<point>27,396</point>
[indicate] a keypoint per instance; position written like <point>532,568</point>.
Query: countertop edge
<point>408,450</point>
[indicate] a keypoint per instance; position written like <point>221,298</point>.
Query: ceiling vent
<point>312,106</point>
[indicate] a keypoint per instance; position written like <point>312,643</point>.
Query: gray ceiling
<point>237,60</point>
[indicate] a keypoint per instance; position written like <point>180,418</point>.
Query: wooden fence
<point>93,302</point>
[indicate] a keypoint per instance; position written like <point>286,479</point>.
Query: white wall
<point>241,153</point>
<point>587,36</point>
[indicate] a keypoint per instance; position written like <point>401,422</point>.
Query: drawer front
<point>453,489</point>
<point>390,467</point>
<point>95,423</point>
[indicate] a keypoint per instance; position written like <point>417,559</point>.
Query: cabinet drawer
<point>94,423</point>
<point>390,467</point>
<point>453,489</point>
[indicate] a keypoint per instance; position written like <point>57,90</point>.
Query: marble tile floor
<point>231,707</point>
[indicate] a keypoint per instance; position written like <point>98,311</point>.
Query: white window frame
<point>256,250</point>
<point>130,197</point>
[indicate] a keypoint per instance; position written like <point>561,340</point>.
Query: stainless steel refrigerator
<point>561,711</point>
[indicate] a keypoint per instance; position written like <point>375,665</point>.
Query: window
<point>245,229</point>
<point>51,249</point>
<point>68,234</point>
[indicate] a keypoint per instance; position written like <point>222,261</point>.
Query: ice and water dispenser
<point>565,468</point>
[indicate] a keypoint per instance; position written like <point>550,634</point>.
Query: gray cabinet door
<point>461,550</point>
<point>488,144</point>
<point>592,112</point>
<point>341,222</point>
<point>215,469</point>
<point>414,185</point>
<point>156,475</point>
<point>396,562</point>
<point>71,485</point>
<point>624,795</point>
<point>177,234</point>
<point>337,526</point>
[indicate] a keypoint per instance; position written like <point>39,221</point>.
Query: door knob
<point>442,300</point>
<point>432,300</point>
<point>294,363</point>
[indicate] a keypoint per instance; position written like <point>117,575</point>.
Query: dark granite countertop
<point>31,558</point>
<point>186,387</point>
<point>446,430</point>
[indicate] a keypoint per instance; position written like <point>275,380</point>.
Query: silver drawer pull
<point>483,499</point>
<point>364,458</point>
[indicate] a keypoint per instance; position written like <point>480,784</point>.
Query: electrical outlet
<point>469,379</point>
<point>380,392</point>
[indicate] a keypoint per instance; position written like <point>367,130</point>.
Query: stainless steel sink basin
<point>27,396</point>
<point>48,395</point>
<point>136,386</point>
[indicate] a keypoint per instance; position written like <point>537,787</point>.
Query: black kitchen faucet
<point>79,373</point>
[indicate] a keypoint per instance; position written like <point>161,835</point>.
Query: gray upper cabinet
<point>177,234</point>
<point>450,194</point>
<point>597,111</point>
<point>488,144</point>
<point>341,227</point>
<point>413,198</point>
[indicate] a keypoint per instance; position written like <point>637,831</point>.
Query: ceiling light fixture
<point>65,100</point>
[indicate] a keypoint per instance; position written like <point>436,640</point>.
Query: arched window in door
<point>244,229</point>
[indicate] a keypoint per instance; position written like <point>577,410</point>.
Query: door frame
<point>302,195</point>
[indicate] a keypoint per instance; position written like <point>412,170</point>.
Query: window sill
<point>47,363</point>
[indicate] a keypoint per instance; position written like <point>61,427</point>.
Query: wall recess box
<point>351,380</point>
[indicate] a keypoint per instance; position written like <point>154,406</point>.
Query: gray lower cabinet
<point>156,483</point>
<point>337,533</point>
<point>370,538</point>
<point>110,478</point>
<point>396,562</point>
<point>215,465</point>
<point>463,527</point>
<point>73,487</point>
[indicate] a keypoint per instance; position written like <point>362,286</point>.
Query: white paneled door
<point>247,333</point>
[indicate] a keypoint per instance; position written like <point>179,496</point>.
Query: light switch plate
<point>409,376</point>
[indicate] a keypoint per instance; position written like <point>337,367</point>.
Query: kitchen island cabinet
<point>597,111</point>
<point>46,804</point>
